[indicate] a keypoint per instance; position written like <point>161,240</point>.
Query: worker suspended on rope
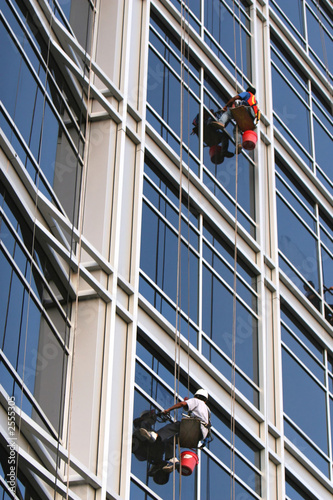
<point>245,121</point>
<point>212,135</point>
<point>197,409</point>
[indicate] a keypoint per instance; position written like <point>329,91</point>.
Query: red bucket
<point>215,153</point>
<point>188,460</point>
<point>249,139</point>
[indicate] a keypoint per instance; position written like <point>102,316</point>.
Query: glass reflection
<point>154,379</point>
<point>43,124</point>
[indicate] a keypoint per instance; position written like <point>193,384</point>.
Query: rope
<point>178,298</point>
<point>234,307</point>
<point>178,293</point>
<point>81,218</point>
<point>240,43</point>
<point>188,209</point>
<point>233,377</point>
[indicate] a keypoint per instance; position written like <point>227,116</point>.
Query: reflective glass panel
<point>297,243</point>
<point>304,401</point>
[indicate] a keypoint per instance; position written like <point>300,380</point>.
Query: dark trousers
<point>166,434</point>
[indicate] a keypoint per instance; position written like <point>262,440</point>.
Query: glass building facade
<point>135,270</point>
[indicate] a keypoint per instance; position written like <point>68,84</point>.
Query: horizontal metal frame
<point>298,216</point>
<point>50,75</point>
<point>303,365</point>
<point>232,474</point>
<point>228,195</point>
<point>193,352</point>
<point>231,289</point>
<point>169,301</point>
<point>229,361</point>
<point>20,383</point>
<point>187,70</point>
<point>170,225</point>
<point>145,488</point>
<point>171,132</point>
<point>303,345</point>
<point>296,196</point>
<point>47,237</point>
<point>254,269</point>
<point>282,148</point>
<point>66,58</point>
<point>279,29</point>
<point>305,303</point>
<point>41,86</point>
<point>24,250</point>
<point>4,142</point>
<point>202,189</point>
<point>70,41</point>
<point>30,429</point>
<point>34,297</point>
<point>303,459</point>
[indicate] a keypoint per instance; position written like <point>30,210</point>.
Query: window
<point>69,12</point>
<point>34,325</point>
<point>323,135</point>
<point>311,19</point>
<point>217,314</point>
<point>23,488</point>
<point>164,90</point>
<point>320,28</point>
<point>292,14</point>
<point>221,179</point>
<point>294,491</point>
<point>305,240</point>
<point>291,101</point>
<point>41,117</point>
<point>158,281</point>
<point>305,391</point>
<point>159,248</point>
<point>302,113</point>
<point>225,26</point>
<point>192,12</point>
<point>163,113</point>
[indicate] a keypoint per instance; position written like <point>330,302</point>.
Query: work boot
<point>173,463</point>
<point>217,124</point>
<point>154,468</point>
<point>147,436</point>
<point>229,154</point>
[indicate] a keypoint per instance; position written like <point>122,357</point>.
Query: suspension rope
<point>240,42</point>
<point>178,293</point>
<point>234,307</point>
<point>79,250</point>
<point>188,205</point>
<point>233,377</point>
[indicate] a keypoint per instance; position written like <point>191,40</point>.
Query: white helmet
<point>201,394</point>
